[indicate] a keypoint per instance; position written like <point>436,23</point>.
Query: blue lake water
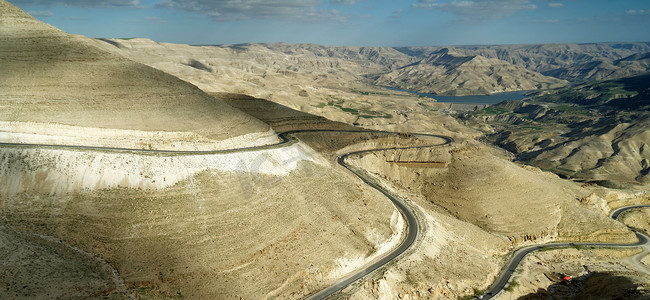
<point>486,99</point>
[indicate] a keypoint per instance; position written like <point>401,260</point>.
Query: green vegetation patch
<point>493,110</point>
<point>367,93</point>
<point>385,116</point>
<point>362,113</point>
<point>597,93</point>
<point>349,110</point>
<point>511,286</point>
<point>578,247</point>
<point>571,108</point>
<point>613,90</point>
<point>564,170</point>
<point>474,295</point>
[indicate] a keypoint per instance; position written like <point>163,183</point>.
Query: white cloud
<point>344,2</point>
<point>230,10</point>
<point>41,13</point>
<point>638,12</point>
<point>484,9</point>
<point>82,3</point>
<point>555,4</point>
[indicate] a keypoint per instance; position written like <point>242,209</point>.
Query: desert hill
<point>284,73</point>
<point>315,72</point>
<point>602,69</point>
<point>447,72</point>
<point>548,59</point>
<point>374,59</point>
<point>629,93</point>
<point>85,223</point>
<point>58,85</point>
<point>596,132</point>
<point>102,223</point>
<point>274,222</point>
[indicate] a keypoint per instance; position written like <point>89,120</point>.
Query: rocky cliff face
<point>231,225</point>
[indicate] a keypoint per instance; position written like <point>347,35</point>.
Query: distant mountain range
<point>454,70</point>
<point>448,72</point>
<point>486,69</point>
<point>629,93</point>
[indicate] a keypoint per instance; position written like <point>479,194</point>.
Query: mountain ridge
<point>448,72</point>
<point>534,66</point>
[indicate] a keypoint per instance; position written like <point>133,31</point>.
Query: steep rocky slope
<point>373,59</point>
<point>465,192</point>
<point>59,85</point>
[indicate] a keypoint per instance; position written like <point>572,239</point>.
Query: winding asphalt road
<point>285,140</point>
<point>407,213</point>
<point>509,269</point>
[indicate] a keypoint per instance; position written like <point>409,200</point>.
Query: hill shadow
<point>281,118</point>
<point>596,285</point>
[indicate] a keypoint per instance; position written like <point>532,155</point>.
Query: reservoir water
<point>484,99</point>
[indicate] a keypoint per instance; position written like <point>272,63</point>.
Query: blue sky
<point>351,22</point>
